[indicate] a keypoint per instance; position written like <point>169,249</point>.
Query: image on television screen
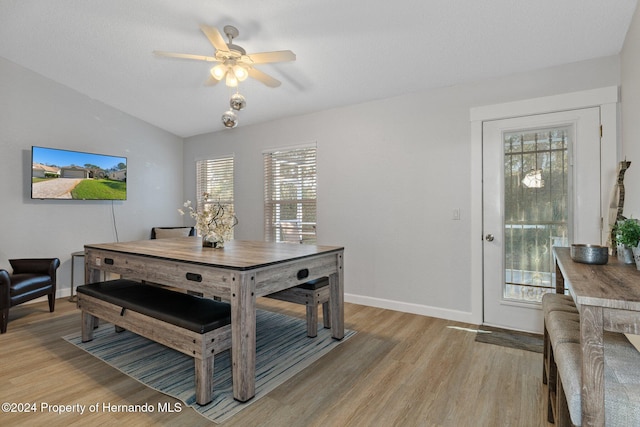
<point>74,175</point>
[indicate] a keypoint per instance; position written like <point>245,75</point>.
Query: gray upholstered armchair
<point>31,278</point>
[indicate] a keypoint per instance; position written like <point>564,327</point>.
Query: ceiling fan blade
<point>215,38</point>
<point>264,78</point>
<point>267,57</point>
<point>185,56</point>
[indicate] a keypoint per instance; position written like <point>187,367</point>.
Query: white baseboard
<point>424,310</point>
<point>60,293</point>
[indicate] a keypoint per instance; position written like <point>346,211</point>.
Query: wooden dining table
<point>608,299</point>
<point>239,273</point>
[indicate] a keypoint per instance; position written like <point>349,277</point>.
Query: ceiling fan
<point>234,65</point>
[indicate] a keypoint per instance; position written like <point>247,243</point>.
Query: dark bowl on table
<point>590,254</point>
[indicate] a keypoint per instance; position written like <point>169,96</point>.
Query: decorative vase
<point>625,254</point>
<point>212,242</point>
<point>636,256</point>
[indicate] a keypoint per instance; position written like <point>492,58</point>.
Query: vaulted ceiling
<point>348,52</point>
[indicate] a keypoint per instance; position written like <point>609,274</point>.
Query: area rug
<point>283,350</point>
<point>508,338</point>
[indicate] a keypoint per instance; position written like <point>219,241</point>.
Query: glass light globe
<point>240,72</point>
<point>231,80</point>
<point>219,71</point>
<point>237,102</point>
<point>229,119</point>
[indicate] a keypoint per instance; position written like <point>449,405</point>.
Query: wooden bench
<point>563,369</point>
<point>195,326</point>
<point>563,304</point>
<point>621,378</point>
<point>310,294</point>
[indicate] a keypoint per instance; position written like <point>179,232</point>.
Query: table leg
<point>91,275</point>
<point>71,298</point>
<point>336,300</point>
<point>74,255</point>
<point>559,281</point>
<point>243,336</point>
<point>592,342</point>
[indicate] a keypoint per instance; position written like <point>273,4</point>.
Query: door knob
<point>489,237</point>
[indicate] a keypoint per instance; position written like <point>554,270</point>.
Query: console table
<point>608,298</point>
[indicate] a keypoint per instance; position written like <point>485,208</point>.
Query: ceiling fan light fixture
<point>232,64</point>
<point>219,71</point>
<point>240,72</point>
<point>232,80</point>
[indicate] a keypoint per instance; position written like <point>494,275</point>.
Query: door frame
<point>610,148</point>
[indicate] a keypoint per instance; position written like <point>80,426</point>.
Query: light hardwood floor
<point>398,370</point>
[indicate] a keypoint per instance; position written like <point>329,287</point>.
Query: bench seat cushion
<point>621,376</point>
<point>187,311</point>
<point>557,302</point>
<point>563,327</point>
<point>312,285</point>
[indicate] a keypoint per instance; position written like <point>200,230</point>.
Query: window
<point>536,213</point>
<point>215,178</point>
<point>290,195</point>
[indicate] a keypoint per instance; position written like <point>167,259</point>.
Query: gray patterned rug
<point>283,350</point>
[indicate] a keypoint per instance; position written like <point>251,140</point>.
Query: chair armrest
<point>5,286</point>
<point>36,265</point>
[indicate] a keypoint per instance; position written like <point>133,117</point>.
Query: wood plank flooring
<point>399,370</point>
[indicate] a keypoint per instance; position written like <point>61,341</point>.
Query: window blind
<point>290,195</point>
<point>214,177</point>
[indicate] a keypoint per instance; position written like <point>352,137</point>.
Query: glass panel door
<point>541,188</point>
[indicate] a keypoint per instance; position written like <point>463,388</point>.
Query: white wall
<point>38,111</point>
<point>390,174</point>
<point>630,94</point>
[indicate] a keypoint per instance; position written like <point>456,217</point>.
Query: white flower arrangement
<point>214,223</point>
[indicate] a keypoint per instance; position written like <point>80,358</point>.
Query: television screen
<point>73,175</point>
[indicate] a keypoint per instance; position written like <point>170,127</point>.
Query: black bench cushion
<point>312,285</point>
<point>186,311</point>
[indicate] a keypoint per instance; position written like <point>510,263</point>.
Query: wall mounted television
<point>73,175</point>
